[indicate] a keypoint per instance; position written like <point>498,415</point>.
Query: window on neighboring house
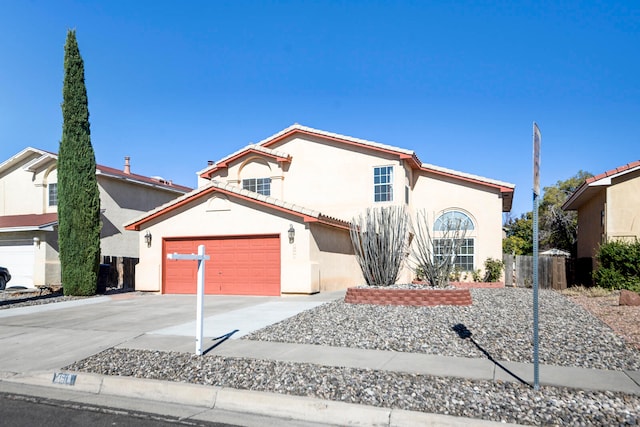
<point>464,255</point>
<point>53,194</point>
<point>258,185</point>
<point>383,184</point>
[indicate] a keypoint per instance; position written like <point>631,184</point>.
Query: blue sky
<point>176,83</point>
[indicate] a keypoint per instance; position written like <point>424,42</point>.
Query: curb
<point>298,408</point>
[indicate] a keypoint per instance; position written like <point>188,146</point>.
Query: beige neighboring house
<point>608,207</point>
<point>29,219</point>
<point>274,216</point>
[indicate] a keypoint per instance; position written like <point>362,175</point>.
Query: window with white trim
<point>258,185</point>
<point>464,253</point>
<point>383,183</point>
<point>465,248</point>
<point>53,194</point>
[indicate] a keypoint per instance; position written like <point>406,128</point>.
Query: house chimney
<point>210,162</point>
<point>127,166</point>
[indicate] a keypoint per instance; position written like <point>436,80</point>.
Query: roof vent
<point>210,162</point>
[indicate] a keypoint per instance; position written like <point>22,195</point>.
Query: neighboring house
<point>274,216</point>
<point>29,219</point>
<point>608,207</point>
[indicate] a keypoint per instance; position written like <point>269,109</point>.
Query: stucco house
<point>29,219</point>
<point>608,207</point>
<point>274,216</point>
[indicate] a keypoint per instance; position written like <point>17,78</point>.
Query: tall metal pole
<point>200,300</point>
<point>537,137</point>
<point>536,370</point>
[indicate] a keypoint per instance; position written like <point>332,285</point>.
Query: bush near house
<point>619,266</point>
<point>493,269</point>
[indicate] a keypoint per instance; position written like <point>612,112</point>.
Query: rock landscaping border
<point>412,297</point>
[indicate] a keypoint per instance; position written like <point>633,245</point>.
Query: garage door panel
<point>20,260</point>
<point>247,265</point>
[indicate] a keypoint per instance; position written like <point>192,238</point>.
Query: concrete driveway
<point>54,335</point>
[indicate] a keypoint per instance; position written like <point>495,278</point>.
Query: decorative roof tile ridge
<point>270,200</point>
<point>246,148</point>
<point>267,150</point>
<point>468,175</point>
<point>375,144</point>
<point>614,171</point>
<point>108,170</point>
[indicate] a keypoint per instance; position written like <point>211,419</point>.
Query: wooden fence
<point>552,271</point>
<point>121,272</point>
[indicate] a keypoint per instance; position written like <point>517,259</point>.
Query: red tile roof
<point>583,192</point>
<point>31,220</point>
<point>141,178</point>
<point>613,171</point>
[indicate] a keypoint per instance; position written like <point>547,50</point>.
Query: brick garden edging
<point>471,285</point>
<point>414,297</point>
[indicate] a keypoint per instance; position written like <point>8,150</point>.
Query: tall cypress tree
<point>78,194</point>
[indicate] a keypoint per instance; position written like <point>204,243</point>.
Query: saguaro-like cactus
<point>379,240</point>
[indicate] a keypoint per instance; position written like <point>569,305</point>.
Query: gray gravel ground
<point>500,321</point>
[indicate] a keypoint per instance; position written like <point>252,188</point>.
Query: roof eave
<point>158,185</point>
<point>136,225</point>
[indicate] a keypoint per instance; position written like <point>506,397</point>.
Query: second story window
<point>258,185</point>
<point>53,194</point>
<point>383,184</point>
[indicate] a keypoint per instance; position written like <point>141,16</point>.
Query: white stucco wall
<point>215,215</point>
<point>332,251</point>
<point>337,180</point>
<point>332,178</point>
<point>23,192</point>
<point>482,204</point>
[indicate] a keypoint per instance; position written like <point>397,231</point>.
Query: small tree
<point>519,240</point>
<point>379,239</point>
<point>435,256</point>
<point>78,194</point>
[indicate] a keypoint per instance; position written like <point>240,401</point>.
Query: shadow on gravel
<point>219,340</point>
<point>18,295</point>
<point>28,298</point>
<point>464,333</point>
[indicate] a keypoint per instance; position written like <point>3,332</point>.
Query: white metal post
<point>201,258</point>
<point>200,300</point>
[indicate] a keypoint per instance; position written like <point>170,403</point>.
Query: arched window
<point>453,220</point>
<point>449,224</point>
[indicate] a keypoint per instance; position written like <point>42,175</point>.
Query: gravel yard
<point>500,323</point>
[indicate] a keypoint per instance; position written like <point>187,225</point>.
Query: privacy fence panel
<point>552,271</point>
<point>122,272</point>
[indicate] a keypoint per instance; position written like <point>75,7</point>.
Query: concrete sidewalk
<point>37,341</point>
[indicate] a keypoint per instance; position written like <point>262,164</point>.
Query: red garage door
<point>245,265</point>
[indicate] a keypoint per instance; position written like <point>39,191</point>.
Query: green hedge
<point>619,266</point>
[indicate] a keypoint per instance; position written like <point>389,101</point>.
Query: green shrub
<point>477,275</point>
<point>493,269</point>
<point>619,266</point>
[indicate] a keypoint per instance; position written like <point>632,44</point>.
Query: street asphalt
<point>37,341</point>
